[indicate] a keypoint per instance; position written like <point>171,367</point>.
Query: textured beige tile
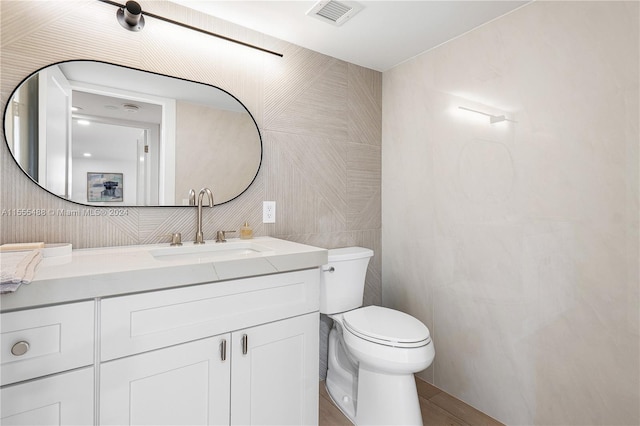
<point>365,104</point>
<point>43,14</point>
<point>306,176</point>
<point>363,187</point>
<point>314,99</point>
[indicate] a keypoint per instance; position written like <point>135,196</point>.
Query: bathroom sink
<point>210,251</point>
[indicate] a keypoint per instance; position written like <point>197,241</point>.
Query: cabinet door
<point>275,373</point>
<point>187,384</point>
<point>62,399</point>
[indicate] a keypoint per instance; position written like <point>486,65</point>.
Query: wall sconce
<point>130,17</point>
<point>492,118</point>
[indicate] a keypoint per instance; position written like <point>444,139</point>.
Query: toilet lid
<point>386,327</point>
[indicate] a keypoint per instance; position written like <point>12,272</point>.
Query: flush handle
<point>223,350</point>
<point>245,344</point>
<point>20,348</point>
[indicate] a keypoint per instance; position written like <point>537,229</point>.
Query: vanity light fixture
<point>130,17</point>
<point>492,118</point>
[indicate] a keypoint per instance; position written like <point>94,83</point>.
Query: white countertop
<point>111,271</point>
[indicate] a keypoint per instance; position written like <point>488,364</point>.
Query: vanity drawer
<point>60,399</point>
<point>37,342</point>
<point>142,322</point>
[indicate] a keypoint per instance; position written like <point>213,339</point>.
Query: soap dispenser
<point>246,233</point>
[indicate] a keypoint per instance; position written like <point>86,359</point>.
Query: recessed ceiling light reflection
<point>86,154</point>
<point>84,122</point>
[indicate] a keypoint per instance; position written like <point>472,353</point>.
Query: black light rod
<point>200,30</point>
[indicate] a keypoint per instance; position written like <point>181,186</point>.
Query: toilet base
<point>342,377</point>
<point>367,397</point>
<point>385,399</point>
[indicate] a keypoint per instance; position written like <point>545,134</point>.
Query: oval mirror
<point>101,134</point>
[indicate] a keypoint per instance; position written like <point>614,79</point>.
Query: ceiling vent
<point>334,12</point>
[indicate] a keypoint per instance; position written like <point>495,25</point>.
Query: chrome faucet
<point>199,236</point>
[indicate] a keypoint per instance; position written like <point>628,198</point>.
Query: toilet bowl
<point>373,351</point>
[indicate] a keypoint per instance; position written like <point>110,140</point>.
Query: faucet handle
<point>176,239</point>
<point>221,236</point>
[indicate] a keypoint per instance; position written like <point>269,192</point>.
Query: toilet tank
<point>342,279</point>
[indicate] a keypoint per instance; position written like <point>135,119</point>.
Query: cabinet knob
<point>20,348</point>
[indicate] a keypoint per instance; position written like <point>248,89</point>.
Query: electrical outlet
<point>268,212</point>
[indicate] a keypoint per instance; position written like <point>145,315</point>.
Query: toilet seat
<point>386,327</point>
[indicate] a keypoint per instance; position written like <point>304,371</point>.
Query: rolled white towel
<point>17,268</point>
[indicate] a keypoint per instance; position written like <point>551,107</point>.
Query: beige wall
<point>517,243</point>
<point>319,118</point>
<point>231,144</point>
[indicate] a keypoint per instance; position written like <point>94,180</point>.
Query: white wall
<point>517,243</point>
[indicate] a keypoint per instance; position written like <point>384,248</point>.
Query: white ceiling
<point>382,35</point>
<point>103,78</point>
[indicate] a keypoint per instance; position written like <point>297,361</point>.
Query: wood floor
<point>438,409</point>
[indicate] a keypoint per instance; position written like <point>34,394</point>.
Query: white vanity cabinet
<point>236,352</point>
<point>264,375</point>
<point>156,335</point>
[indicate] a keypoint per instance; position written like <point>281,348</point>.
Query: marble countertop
<point>111,271</point>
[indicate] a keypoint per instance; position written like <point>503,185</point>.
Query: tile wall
<point>517,242</point>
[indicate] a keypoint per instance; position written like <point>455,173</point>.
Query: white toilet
<point>373,351</point>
